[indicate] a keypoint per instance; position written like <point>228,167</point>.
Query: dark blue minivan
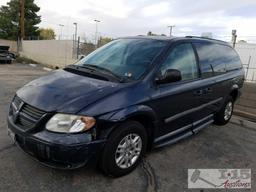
<point>129,96</point>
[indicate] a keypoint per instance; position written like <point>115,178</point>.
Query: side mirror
<point>171,75</point>
<point>81,57</point>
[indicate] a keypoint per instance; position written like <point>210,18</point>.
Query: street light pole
<point>61,26</point>
<point>96,32</point>
<point>74,41</point>
<point>171,27</point>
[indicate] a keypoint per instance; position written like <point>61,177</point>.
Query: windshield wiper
<point>98,71</point>
<point>86,71</point>
<point>102,69</point>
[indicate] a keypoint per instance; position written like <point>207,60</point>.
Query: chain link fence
<point>247,53</point>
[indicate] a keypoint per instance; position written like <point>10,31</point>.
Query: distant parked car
<point>5,55</point>
<point>130,95</point>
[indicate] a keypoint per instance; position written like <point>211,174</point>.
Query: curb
<point>47,69</point>
<point>244,114</point>
<point>243,122</point>
<point>33,65</point>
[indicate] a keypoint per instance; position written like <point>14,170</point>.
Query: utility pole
<point>22,15</point>
<point>78,47</point>
<point>171,27</point>
<point>234,36</point>
<point>75,31</point>
<point>21,31</point>
<point>75,40</point>
<point>61,27</point>
<point>96,32</point>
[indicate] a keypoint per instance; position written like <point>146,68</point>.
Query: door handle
<point>198,92</point>
<point>208,90</point>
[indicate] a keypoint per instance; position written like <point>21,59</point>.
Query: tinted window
<point>128,58</point>
<point>204,51</point>
<point>232,59</point>
<point>215,59</point>
<point>182,58</point>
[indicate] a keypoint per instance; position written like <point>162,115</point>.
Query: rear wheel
<point>225,114</point>
<point>124,149</point>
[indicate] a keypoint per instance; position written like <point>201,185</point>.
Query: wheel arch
<point>140,113</point>
<point>234,92</point>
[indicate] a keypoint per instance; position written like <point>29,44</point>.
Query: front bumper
<point>64,151</point>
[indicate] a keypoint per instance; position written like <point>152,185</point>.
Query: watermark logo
<point>219,178</point>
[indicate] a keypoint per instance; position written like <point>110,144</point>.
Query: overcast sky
<point>134,17</point>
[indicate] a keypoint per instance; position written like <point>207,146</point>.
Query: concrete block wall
<point>12,44</point>
<point>49,52</point>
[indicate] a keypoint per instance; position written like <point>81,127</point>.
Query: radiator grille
<point>24,115</point>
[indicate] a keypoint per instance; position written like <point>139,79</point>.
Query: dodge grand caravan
<point>132,94</point>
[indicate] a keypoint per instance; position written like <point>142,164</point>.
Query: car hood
<point>62,91</point>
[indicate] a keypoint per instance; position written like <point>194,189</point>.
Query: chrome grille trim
<point>28,116</point>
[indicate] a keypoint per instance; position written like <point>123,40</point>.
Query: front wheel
<point>124,149</point>
<point>225,114</point>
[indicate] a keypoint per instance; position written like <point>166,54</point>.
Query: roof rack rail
<point>191,36</point>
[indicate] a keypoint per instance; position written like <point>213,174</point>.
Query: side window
<point>215,59</point>
<point>231,58</point>
<point>204,51</point>
<point>182,58</point>
<point>218,59</point>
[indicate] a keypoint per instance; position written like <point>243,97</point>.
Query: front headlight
<point>64,123</point>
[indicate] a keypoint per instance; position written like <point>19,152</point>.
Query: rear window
<point>216,59</point>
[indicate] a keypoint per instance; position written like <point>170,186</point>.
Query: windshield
<point>127,58</point>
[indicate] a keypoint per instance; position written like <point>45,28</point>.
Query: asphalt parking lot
<point>164,169</point>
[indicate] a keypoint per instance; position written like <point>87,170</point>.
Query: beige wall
<point>12,44</point>
<point>59,53</point>
<point>49,52</point>
<point>247,101</point>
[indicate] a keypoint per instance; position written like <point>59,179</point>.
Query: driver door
<point>175,101</point>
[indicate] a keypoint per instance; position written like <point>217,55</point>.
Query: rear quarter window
<point>216,59</point>
<point>232,59</point>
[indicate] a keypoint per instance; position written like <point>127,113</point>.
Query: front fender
<point>116,117</point>
<point>123,114</point>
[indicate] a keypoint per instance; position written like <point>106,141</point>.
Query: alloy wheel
<point>228,111</point>
<point>128,150</point>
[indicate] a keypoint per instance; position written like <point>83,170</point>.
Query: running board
<point>182,133</point>
<point>197,129</point>
<point>174,140</point>
<point>173,133</point>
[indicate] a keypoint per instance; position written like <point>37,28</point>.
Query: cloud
<point>3,2</point>
<point>126,17</point>
<point>115,8</point>
<point>243,11</point>
<point>156,9</point>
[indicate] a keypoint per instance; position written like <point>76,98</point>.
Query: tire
<point>128,131</point>
<point>225,113</point>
